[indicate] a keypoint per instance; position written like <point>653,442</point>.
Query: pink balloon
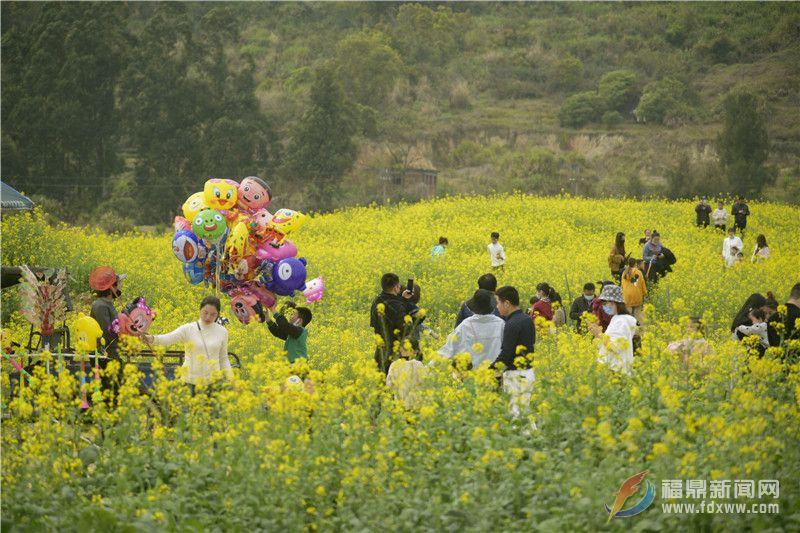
<point>314,290</point>
<point>271,253</point>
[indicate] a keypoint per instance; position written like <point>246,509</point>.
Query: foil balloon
<point>246,307</point>
<point>268,252</point>
<point>288,275</point>
<point>209,224</point>
<point>187,247</point>
<point>284,222</point>
<point>87,332</point>
<point>134,319</point>
<point>314,290</point>
<point>254,194</point>
<point>221,194</point>
<point>193,205</point>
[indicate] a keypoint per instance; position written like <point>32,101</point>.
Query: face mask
<point>607,309</point>
<point>588,298</point>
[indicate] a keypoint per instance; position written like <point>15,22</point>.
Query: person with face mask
<point>293,331</point>
<point>616,344</point>
<point>107,285</point>
<point>582,304</point>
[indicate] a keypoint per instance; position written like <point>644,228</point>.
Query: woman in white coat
<point>206,344</point>
<point>616,344</point>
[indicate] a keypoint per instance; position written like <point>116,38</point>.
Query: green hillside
<point>116,104</point>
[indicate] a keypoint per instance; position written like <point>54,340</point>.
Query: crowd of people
<point>491,326</point>
<point>732,246</point>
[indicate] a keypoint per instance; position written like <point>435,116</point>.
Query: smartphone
<point>410,285</point>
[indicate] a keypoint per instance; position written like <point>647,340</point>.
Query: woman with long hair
<point>616,259</point>
<point>761,251</point>
<point>616,345</point>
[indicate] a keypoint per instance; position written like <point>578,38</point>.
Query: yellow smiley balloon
<point>193,205</point>
<point>87,331</point>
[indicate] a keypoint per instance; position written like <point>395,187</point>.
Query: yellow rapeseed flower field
<point>346,455</point>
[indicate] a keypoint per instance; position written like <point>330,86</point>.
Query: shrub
<point>612,119</point>
<point>580,109</point>
<point>660,99</point>
<point>618,89</point>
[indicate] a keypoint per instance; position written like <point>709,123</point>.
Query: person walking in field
<point>206,344</point>
<point>497,253</point>
<point>481,335</point>
<point>543,306</point>
<point>487,282</point>
<point>582,304</point>
<point>740,212</point>
<point>730,242</point>
<point>703,211</point>
<point>616,343</point>
<point>387,319</point>
<point>519,335</point>
<point>634,289</point>
<point>720,216</point>
<point>438,250</point>
<point>616,258</point>
<point>761,251</point>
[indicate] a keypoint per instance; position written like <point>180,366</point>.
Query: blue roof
<point>11,199</point>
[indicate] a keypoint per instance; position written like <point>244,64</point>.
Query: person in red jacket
<point>543,307</point>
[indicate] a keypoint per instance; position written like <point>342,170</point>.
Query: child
<point>293,331</point>
<point>734,257</point>
<point>759,328</point>
<point>496,252</point>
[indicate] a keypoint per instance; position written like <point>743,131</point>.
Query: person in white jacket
<point>730,242</point>
<point>480,335</point>
<point>616,344</point>
<point>720,216</point>
<point>206,344</point>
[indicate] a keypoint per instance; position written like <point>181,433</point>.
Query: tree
<point>618,89</point>
<point>662,101</point>
<point>190,114</point>
<point>580,109</point>
<point>60,116</point>
<point>743,144</point>
<point>321,149</point>
<point>368,67</point>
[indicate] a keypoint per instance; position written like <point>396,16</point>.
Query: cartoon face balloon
<point>209,224</point>
<point>254,194</point>
<point>87,331</point>
<point>187,247</point>
<point>194,204</point>
<point>314,290</point>
<point>284,222</point>
<point>288,275</point>
<point>134,319</point>
<point>259,221</point>
<point>246,307</point>
<point>220,194</point>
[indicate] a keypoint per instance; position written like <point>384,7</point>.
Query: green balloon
<point>209,224</point>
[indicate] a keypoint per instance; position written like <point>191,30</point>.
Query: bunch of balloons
<point>228,239</point>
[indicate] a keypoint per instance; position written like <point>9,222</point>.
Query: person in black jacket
<point>740,212</point>
<point>582,304</point>
<point>793,313</point>
<point>387,319</point>
<point>703,211</point>
<point>519,335</point>
<point>487,282</point>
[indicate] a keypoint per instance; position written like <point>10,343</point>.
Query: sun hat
<point>103,278</point>
<point>481,303</point>
<point>612,293</point>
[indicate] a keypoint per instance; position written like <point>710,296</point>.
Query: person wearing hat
<point>480,335</point>
<point>293,331</point>
<point>107,285</point>
<point>703,211</point>
<point>488,282</point>
<point>616,345</point>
